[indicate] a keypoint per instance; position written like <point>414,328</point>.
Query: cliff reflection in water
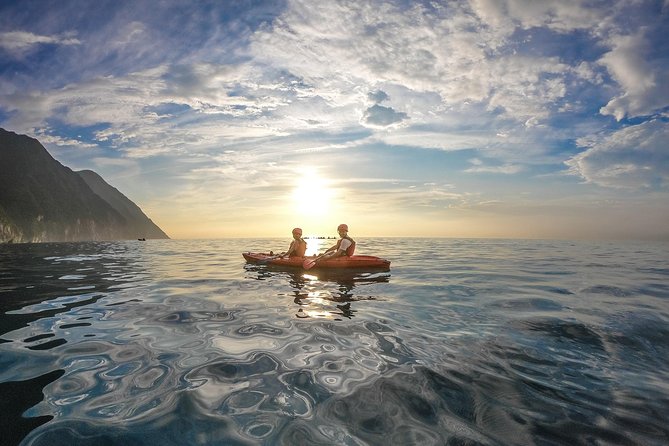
<point>322,294</point>
<point>44,290</point>
<point>44,279</point>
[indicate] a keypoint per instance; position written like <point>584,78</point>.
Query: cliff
<point>43,201</point>
<point>138,222</point>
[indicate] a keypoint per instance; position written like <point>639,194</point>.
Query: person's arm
<point>338,253</point>
<point>327,253</point>
<point>334,252</point>
<point>343,246</point>
<point>291,249</point>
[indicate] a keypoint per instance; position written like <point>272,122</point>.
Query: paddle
<point>310,263</point>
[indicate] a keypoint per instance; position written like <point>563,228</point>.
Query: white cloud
<point>340,48</point>
<point>445,74</point>
<point>528,87</point>
<point>127,34</point>
<point>643,80</point>
<point>18,43</point>
<point>479,166</point>
<point>56,140</point>
<point>588,72</point>
<point>634,157</point>
<point>443,139</point>
<point>393,194</point>
<point>560,15</point>
<point>318,67</point>
<point>128,104</point>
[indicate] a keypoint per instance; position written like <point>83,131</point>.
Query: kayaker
<point>297,246</point>
<point>345,245</point>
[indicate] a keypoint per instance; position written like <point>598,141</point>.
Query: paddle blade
<point>309,263</point>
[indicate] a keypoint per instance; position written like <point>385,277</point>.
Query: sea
<point>462,342</point>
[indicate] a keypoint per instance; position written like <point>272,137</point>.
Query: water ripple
<point>486,342</point>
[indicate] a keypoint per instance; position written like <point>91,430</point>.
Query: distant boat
<point>141,239</point>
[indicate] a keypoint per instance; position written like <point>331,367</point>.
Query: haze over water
<point>464,341</point>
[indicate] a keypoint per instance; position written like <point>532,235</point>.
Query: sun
<point>312,195</point>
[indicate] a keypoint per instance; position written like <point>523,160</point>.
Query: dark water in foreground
<point>485,342</point>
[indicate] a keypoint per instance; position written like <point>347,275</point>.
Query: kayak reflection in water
<point>326,294</point>
<point>297,246</point>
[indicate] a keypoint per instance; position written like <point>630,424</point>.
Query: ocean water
<point>462,342</point>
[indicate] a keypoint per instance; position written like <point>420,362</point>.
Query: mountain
<point>138,222</point>
<point>43,201</point>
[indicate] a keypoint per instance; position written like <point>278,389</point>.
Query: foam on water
<point>463,341</point>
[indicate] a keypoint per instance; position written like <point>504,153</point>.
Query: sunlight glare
<point>312,196</point>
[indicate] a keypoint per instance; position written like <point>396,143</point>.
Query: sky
<point>478,118</point>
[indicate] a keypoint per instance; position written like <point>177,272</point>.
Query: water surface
<point>485,342</point>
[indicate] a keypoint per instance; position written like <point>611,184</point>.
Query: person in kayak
<point>297,246</point>
<point>345,245</point>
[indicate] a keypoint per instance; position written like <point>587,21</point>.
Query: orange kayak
<point>359,262</point>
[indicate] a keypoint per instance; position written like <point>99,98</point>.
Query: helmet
<point>342,227</point>
<point>297,231</point>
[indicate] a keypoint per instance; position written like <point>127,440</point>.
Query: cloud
<point>438,139</point>
<point>18,43</point>
<point>211,100</point>
<point>560,15</point>
<point>319,67</point>
<point>415,195</point>
<point>643,79</point>
<point>63,141</point>
<point>507,169</point>
<point>378,116</point>
<point>528,88</point>
<point>634,157</point>
<point>468,52</point>
<point>440,75</point>
<point>340,48</point>
<point>378,96</point>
